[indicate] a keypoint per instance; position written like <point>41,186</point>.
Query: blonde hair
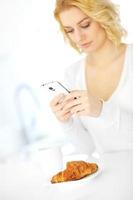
<point>102,11</point>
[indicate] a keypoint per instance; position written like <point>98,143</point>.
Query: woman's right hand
<point>57,107</point>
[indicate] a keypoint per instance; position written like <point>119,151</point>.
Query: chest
<point>102,82</point>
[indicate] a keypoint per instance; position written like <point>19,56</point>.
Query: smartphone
<point>55,88</point>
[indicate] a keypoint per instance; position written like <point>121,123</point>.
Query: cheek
<point>72,38</point>
<point>98,32</point>
<point>100,38</point>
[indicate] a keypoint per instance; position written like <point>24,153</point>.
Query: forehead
<point>71,16</point>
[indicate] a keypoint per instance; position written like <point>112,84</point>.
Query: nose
<point>79,36</point>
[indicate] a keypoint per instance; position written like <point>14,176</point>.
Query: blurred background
<point>32,51</point>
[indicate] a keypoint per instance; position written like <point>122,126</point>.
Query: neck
<point>105,54</point>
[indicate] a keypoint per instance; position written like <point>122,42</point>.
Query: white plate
<point>71,184</point>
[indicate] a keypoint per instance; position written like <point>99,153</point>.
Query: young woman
<point>98,112</point>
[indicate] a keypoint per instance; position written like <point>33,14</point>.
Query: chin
<point>91,49</point>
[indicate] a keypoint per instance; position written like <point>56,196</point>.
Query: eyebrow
<point>78,22</point>
<point>83,20</point>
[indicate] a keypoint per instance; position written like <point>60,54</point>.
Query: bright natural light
<point>33,51</point>
<point>90,157</point>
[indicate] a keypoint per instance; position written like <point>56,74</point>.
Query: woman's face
<point>87,34</point>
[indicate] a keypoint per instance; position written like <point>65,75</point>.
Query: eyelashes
<point>81,26</point>
<point>68,31</point>
<point>86,25</point>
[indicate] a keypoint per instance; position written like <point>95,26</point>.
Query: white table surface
<point>23,180</point>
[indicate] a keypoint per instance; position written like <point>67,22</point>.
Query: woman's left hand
<point>82,104</point>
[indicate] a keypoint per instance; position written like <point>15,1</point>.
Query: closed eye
<point>85,25</point>
<point>69,31</point>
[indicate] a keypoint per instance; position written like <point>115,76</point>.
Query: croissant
<point>75,170</point>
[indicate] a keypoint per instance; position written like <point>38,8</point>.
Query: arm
<point>78,135</point>
<point>72,127</point>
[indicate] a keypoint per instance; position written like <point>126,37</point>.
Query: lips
<point>85,45</point>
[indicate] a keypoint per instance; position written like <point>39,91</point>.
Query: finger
<point>72,95</point>
<point>66,116</point>
<point>77,109</point>
<point>57,108</point>
<point>81,113</point>
<point>75,95</point>
<point>60,108</point>
<point>63,116</point>
<point>84,100</point>
<point>71,104</point>
<point>57,99</point>
<point>68,97</point>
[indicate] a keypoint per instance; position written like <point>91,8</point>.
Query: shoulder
<point>75,67</point>
<point>130,53</point>
<point>130,47</point>
<point>129,58</point>
<point>74,73</point>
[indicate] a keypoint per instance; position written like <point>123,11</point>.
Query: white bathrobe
<point>113,129</point>
<point>110,134</point>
